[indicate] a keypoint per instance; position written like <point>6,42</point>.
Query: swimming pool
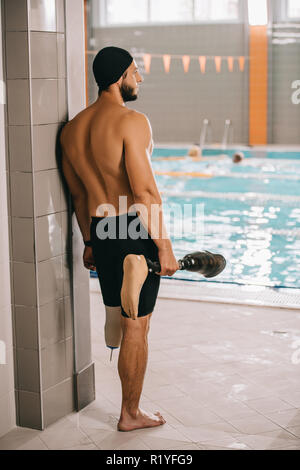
<point>251,212</point>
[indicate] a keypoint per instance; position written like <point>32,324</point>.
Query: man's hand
<point>88,259</point>
<point>167,261</point>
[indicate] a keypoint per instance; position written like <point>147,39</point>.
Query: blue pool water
<point>251,213</point>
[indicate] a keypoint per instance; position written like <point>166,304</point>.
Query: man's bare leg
<point>132,364</point>
<point>135,272</point>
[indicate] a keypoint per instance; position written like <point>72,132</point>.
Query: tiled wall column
<point>42,266</point>
<point>7,392</point>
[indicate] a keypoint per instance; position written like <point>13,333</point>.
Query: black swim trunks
<point>110,252</point>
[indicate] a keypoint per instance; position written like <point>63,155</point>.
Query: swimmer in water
<point>195,152</point>
<point>237,157</point>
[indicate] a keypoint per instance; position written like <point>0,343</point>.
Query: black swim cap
<point>109,65</point>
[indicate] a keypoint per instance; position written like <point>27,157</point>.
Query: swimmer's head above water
<point>114,66</point>
<point>195,151</point>
<point>237,157</point>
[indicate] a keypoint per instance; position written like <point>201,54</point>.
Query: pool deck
<point>224,376</point>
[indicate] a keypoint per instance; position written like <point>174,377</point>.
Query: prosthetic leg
<point>112,328</point>
<point>201,262</point>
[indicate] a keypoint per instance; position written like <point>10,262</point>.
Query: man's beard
<point>127,93</point>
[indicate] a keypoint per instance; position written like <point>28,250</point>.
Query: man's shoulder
<point>133,117</point>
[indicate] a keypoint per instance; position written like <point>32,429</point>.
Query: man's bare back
<point>93,146</point>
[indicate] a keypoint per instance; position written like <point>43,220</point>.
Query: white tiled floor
<point>224,377</point>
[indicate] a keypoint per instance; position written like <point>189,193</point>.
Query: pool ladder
<point>227,128</point>
<point>203,133</point>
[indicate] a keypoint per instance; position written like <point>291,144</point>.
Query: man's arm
<point>137,140</point>
<point>79,197</point>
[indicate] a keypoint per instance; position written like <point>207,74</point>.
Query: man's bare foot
<point>142,420</point>
<point>135,272</point>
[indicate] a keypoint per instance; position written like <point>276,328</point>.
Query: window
<point>171,10</point>
<point>127,12</point>
<point>213,10</point>
<point>293,9</point>
<point>257,12</point>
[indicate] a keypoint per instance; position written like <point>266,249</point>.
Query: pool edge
<point>255,296</point>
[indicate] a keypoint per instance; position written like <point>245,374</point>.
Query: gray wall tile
<point>43,61</point>
<point>16,15</point>
<point>68,317</point>
<point>65,232</point>
<point>20,148</point>
<point>44,101</point>
<point>49,236</point>
<point>67,267</point>
<point>53,364</point>
<point>69,357</point>
<point>23,239</point>
<point>50,279</point>
<point>28,370</point>
<point>43,146</point>
<point>18,97</point>
<point>42,15</point>
<point>15,369</point>
<point>52,323</point>
<point>29,409</point>
<point>47,192</point>
<point>62,100</point>
<point>21,193</point>
<point>58,401</point>
<point>26,320</point>
<point>60,16</point>
<point>82,324</point>
<point>9,221</point>
<point>85,387</point>
<point>61,56</point>
<point>17,55</point>
<point>24,283</point>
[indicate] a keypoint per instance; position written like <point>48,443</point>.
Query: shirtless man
<point>106,154</point>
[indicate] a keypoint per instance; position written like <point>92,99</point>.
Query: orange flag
<point>202,62</point>
<point>186,62</point>
<point>242,63</point>
<point>167,61</point>
<point>218,63</point>
<point>230,63</point>
<point>147,62</point>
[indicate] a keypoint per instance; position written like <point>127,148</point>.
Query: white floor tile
<point>268,405</point>
<point>285,418</point>
<point>253,424</point>
<point>265,442</point>
<point>158,443</point>
<point>63,434</point>
<point>19,438</point>
<point>295,430</point>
